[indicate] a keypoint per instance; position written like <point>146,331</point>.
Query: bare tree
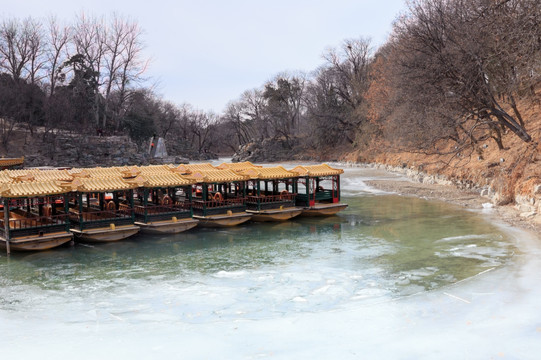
<point>253,113</point>
<point>36,48</point>
<point>123,63</point>
<point>57,50</point>
<point>336,97</point>
<point>14,47</point>
<point>202,125</point>
<point>89,37</point>
<point>458,65</point>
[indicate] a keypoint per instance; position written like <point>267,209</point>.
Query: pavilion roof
<point>189,168</point>
<point>238,166</point>
<point>104,184</point>
<point>316,170</point>
<point>11,161</point>
<point>163,180</point>
<point>268,173</point>
<point>31,189</point>
<point>215,176</point>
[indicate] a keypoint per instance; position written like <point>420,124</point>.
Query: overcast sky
<point>206,53</point>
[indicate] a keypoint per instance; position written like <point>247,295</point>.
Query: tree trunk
<point>506,120</point>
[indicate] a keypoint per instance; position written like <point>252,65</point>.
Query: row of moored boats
<point>42,209</point>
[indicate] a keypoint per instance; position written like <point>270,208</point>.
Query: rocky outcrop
<point>71,151</point>
<point>268,150</point>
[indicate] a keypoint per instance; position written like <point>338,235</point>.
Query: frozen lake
<point>390,277</point>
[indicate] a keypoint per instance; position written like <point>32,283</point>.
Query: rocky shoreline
<point>523,214</point>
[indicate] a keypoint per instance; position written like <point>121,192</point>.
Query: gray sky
<point>206,53</point>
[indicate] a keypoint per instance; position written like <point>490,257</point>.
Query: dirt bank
<point>508,214</point>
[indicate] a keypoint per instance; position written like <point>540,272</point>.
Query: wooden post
<point>188,191</point>
<point>145,203</point>
<point>258,188</point>
<point>115,199</point>
<point>80,202</point>
<point>6,224</point>
<point>67,212</point>
<point>307,179</point>
<point>338,186</point>
<point>132,204</point>
<point>205,192</point>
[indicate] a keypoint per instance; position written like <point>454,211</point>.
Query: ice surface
<point>358,286</point>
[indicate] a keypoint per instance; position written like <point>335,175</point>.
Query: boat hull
<point>167,227</point>
<point>323,209</point>
<point>106,234</point>
<point>225,220</point>
<point>37,243</point>
<point>275,214</point>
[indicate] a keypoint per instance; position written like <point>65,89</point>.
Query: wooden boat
<point>95,211</point>
<point>320,193</point>
<point>271,196</point>
<point>33,216</point>
<point>106,234</point>
<point>280,214</point>
<point>323,209</point>
<point>218,198</point>
<point>113,203</point>
<point>223,220</point>
<point>163,201</point>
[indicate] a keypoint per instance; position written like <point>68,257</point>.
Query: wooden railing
<point>35,222</point>
<point>107,215</point>
<point>200,204</point>
<point>160,209</point>
<point>271,198</point>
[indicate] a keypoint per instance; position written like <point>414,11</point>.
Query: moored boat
<point>319,192</point>
<point>270,193</point>
<point>33,216</point>
<point>112,203</point>
<point>95,211</point>
<point>162,203</point>
<point>219,198</point>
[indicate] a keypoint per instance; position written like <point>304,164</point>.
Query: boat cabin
<point>33,216</point>
<point>218,197</point>
<point>318,189</point>
<point>271,193</point>
<point>95,210</point>
<point>163,202</point>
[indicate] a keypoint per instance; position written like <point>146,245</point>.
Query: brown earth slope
<point>508,176</point>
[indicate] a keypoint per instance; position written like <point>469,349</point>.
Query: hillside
<point>508,176</point>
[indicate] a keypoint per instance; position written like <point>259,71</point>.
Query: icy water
<point>140,296</point>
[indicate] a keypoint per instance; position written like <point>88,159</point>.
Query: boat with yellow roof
<point>162,200</point>
<point>271,194</point>
<point>218,197</point>
<point>33,215</point>
<point>95,211</point>
<point>112,203</point>
<point>319,191</point>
